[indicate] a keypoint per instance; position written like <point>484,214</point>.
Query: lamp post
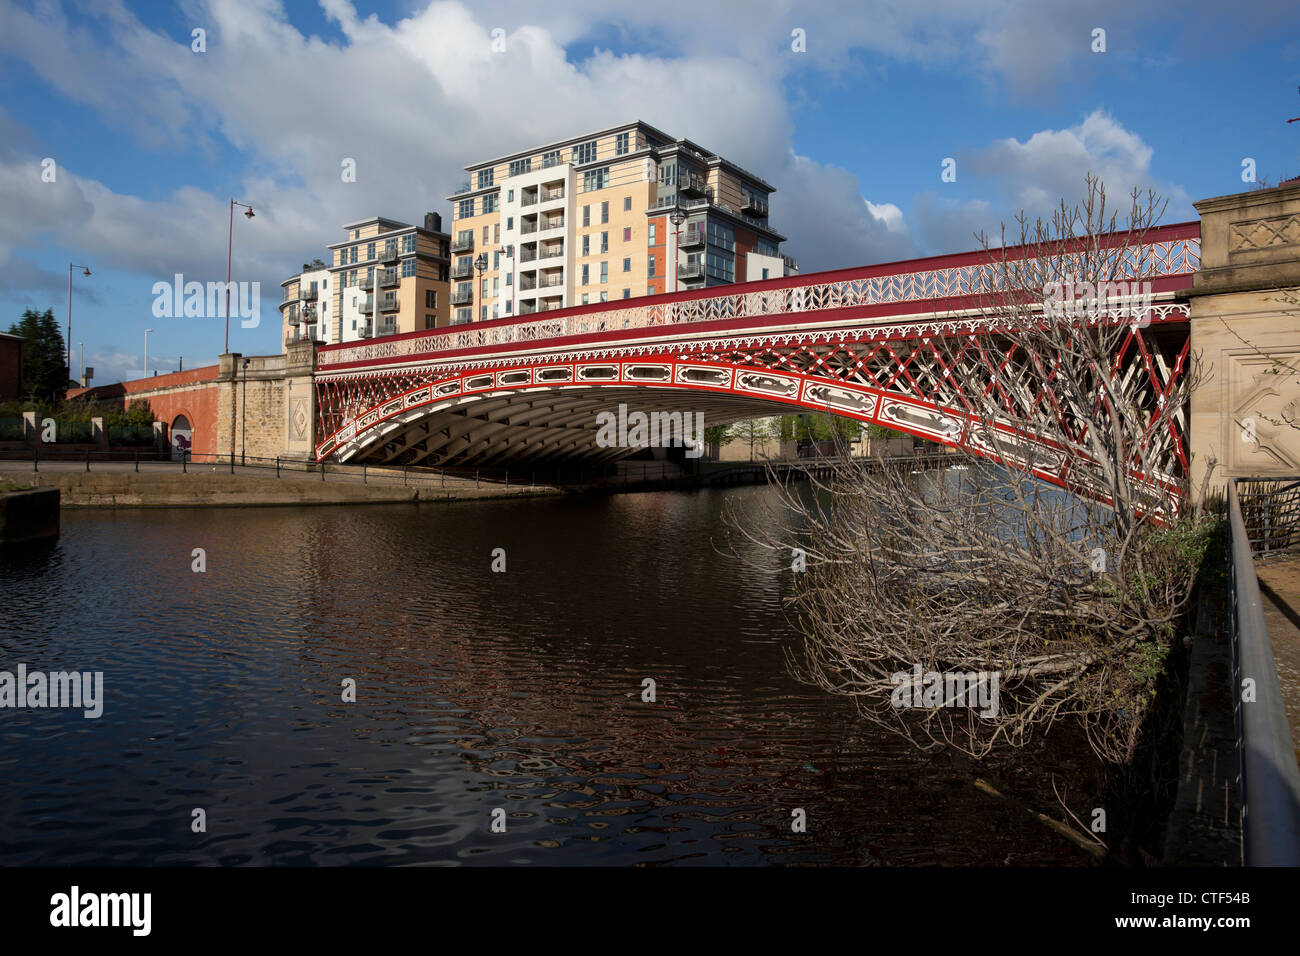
<point>85,272</point>
<point>82,347</point>
<point>480,263</point>
<point>146,353</point>
<point>677,218</point>
<point>230,241</point>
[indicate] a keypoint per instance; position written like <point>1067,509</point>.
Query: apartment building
<point>623,212</point>
<point>385,278</point>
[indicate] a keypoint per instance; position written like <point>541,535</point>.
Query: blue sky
<point>151,139</point>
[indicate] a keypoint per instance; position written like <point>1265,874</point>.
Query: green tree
<point>45,373</point>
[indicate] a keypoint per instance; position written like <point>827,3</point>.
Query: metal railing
<point>1270,779</point>
<point>1270,508</point>
<point>463,245</point>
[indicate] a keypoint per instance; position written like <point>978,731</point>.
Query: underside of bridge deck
<point>541,425</point>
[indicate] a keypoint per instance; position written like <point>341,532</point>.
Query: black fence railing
<point>1270,779</point>
<point>1270,512</point>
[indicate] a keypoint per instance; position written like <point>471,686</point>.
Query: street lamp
<point>230,239</point>
<point>480,264</point>
<point>85,272</point>
<point>677,218</point>
<point>82,347</point>
<point>146,353</point>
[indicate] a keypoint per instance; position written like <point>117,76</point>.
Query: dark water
<point>475,691</point>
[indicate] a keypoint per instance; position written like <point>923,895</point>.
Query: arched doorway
<point>182,436</point>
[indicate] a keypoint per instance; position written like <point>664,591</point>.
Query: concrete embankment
<point>200,489</point>
<point>29,515</point>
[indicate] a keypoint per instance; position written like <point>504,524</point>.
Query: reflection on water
<point>475,690</point>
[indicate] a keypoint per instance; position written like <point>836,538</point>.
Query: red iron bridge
<point>908,345</point>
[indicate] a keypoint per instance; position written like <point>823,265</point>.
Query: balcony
<point>691,270</point>
<point>292,318</point>
<point>388,304</point>
<point>692,185</point>
<point>692,239</point>
<point>462,189</point>
<point>553,253</point>
<point>368,305</point>
<point>388,280</point>
<point>755,206</point>
<point>464,244</point>
<point>528,198</point>
<point>550,195</point>
<point>791,264</point>
<point>309,295</point>
<point>368,283</point>
<point>527,255</point>
<point>527,283</point>
<point>390,255</point>
<point>462,297</point>
<point>527,228</point>
<point>463,270</point>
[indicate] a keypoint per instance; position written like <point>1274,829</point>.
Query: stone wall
<point>1247,335</point>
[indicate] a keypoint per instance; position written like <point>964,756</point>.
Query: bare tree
<point>970,607</point>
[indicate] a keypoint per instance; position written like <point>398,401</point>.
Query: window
<point>519,166</point>
<point>627,203</point>
<point>764,273</point>
<point>585,298</point>
<point>408,243</point>
<point>465,209</point>
<point>390,249</point>
<point>627,265</point>
<point>408,268</point>
<point>510,195</point>
<point>485,235</point>
<point>430,298</point>
<point>596,179</point>
<point>496,233</point>
<point>652,266</point>
<point>722,235</point>
<point>668,173</point>
<point>510,223</point>
<point>604,212</point>
<point>463,316</point>
<point>586,275</point>
<point>510,278</point>
<point>586,245</point>
<point>354,256</point>
<point>627,233</point>
<point>586,215</point>
<point>604,272</point>
<point>627,293</point>
<point>720,267</point>
<point>485,178</point>
<point>496,286</point>
<point>584,152</point>
<point>490,202</point>
<point>370,250</point>
<point>653,242</point>
<point>483,288</point>
<point>621,143</point>
<point>356,234</point>
<point>604,242</point>
<point>429,320</point>
<point>551,159</point>
<point>483,313</point>
<point>604,297</point>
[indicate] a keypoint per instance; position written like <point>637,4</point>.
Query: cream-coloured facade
<point>386,278</point>
<point>1245,325</point>
<point>588,219</point>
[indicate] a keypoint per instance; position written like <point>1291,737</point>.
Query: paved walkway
<point>1279,582</point>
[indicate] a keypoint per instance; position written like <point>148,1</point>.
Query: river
<point>477,691</point>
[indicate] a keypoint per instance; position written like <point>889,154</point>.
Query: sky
<point>123,137</point>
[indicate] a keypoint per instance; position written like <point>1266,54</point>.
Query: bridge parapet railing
<point>1270,508</point>
<point>1270,779</point>
<point>1173,251</point>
